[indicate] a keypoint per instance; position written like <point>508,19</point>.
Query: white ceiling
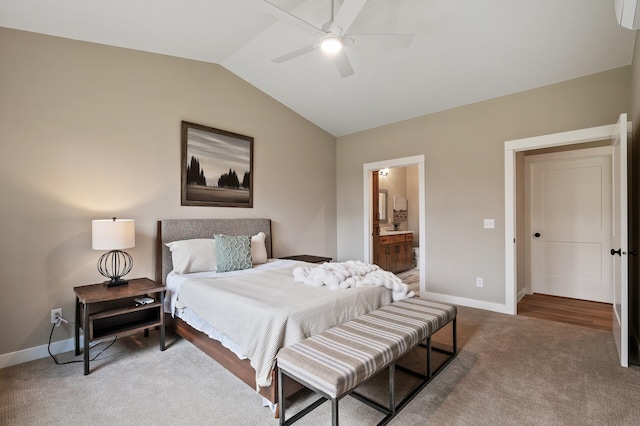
<point>463,51</point>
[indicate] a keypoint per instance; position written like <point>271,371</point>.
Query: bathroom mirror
<point>382,205</point>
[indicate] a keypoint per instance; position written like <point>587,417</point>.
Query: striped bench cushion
<point>339,359</point>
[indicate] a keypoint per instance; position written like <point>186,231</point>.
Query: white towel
<point>399,203</point>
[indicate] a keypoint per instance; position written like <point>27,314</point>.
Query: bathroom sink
<point>385,232</point>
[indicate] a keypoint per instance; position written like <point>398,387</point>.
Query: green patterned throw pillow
<point>233,252</point>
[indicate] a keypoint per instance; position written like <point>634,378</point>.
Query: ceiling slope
<point>462,51</point>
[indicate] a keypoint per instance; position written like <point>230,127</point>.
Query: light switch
<point>489,224</point>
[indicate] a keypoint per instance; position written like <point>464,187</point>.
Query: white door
<point>569,228</point>
<point>619,242</point>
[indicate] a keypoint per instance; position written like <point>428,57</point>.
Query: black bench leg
<point>392,388</point>
<point>455,336</point>
<point>334,411</point>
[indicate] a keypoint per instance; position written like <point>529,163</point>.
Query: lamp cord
<point>75,360</point>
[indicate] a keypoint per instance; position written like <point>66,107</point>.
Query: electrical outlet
<point>55,313</point>
<point>479,282</point>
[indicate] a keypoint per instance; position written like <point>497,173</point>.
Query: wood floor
<point>553,308</point>
<point>569,311</point>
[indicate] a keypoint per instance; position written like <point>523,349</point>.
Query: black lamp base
<point>114,265</point>
<point>115,282</point>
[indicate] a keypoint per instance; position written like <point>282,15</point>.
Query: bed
<point>308,310</point>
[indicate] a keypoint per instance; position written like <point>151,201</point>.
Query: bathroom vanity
<point>395,252</point>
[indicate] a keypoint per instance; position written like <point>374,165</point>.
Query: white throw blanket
<point>352,273</point>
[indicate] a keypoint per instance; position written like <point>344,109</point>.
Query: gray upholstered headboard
<point>184,229</point>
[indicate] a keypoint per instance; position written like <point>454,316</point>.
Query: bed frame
<point>182,229</point>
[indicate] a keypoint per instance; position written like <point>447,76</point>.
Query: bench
<point>336,361</point>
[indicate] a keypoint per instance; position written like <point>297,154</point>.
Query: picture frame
<point>216,167</point>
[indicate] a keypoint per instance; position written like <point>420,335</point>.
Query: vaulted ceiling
<point>463,51</point>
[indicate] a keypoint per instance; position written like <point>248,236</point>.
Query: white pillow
<point>258,248</point>
<point>195,255</point>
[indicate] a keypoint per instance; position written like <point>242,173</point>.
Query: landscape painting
<point>216,167</point>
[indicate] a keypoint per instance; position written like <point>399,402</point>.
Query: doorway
<point>617,133</point>
<point>368,168</point>
<point>514,229</point>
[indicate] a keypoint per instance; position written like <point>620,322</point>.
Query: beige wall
<point>464,173</point>
<point>89,131</point>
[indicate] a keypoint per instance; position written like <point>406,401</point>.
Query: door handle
<point>537,235</point>
<point>633,252</point>
<point>618,252</point>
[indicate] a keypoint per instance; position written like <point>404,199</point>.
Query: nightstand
<point>103,312</point>
<point>308,258</point>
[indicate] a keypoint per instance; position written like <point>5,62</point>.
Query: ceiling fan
<point>333,34</point>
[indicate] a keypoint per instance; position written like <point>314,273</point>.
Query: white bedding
<point>175,281</point>
<point>352,273</point>
<point>263,309</point>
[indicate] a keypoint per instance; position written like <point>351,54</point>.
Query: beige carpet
<point>510,370</point>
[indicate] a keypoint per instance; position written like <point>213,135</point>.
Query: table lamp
<point>114,235</point>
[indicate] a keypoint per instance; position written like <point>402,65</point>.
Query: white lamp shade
<point>113,234</point>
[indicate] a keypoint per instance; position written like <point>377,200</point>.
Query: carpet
<point>510,370</point>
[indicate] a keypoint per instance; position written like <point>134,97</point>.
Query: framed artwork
<point>216,167</point>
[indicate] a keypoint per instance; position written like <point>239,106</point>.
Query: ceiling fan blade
<point>332,14</point>
<point>347,13</point>
<point>342,63</point>
<point>380,40</point>
<point>295,53</point>
<point>282,14</point>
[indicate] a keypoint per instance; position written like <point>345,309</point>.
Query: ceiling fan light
<point>331,44</point>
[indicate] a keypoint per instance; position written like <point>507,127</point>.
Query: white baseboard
<point>472,303</point>
<point>38,352</point>
<point>522,293</point>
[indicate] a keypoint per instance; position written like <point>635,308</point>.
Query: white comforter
<point>352,273</point>
<point>264,311</point>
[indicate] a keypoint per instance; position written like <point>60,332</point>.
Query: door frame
<point>510,149</point>
<point>417,160</point>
